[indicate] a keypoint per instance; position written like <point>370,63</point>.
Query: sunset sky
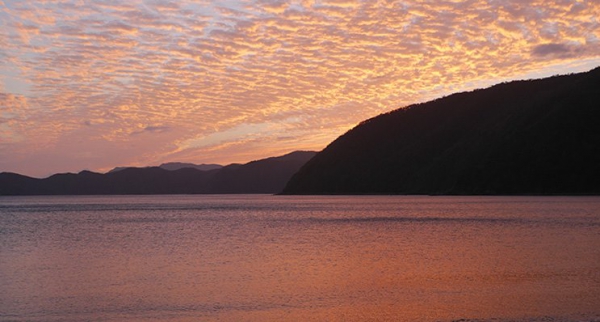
<point>97,84</point>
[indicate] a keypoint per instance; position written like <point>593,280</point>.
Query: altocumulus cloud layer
<point>96,84</point>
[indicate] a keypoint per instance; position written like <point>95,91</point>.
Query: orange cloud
<point>260,75</point>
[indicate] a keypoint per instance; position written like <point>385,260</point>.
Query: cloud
<point>152,129</point>
<point>561,50</point>
<point>222,69</point>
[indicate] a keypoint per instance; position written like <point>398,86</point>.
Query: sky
<point>96,84</point>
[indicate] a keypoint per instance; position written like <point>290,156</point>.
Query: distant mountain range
<point>263,176</point>
<point>538,137</point>
<point>172,166</point>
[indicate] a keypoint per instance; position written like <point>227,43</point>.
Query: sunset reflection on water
<point>257,258</point>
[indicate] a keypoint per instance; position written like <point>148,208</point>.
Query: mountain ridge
<point>260,176</point>
<point>172,166</point>
<point>534,137</point>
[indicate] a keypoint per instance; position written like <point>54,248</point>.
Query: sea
<point>299,258</point>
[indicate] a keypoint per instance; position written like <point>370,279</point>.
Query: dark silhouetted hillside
<point>523,137</point>
<point>262,176</point>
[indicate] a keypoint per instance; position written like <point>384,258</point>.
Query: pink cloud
<point>308,69</point>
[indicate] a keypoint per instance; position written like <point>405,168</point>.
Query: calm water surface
<point>274,258</point>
